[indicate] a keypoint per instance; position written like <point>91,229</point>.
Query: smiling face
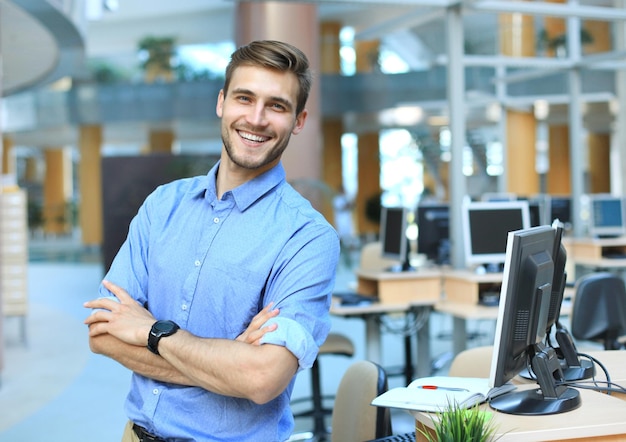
<point>258,115</point>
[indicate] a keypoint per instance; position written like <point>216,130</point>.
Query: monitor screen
<point>521,327</point>
<point>606,215</point>
<point>534,211</point>
<point>560,207</point>
<point>486,226</point>
<point>433,229</point>
<point>393,225</point>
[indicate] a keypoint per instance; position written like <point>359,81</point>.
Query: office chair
<point>354,419</point>
<point>335,344</point>
<point>472,363</point>
<point>599,311</point>
<point>372,259</point>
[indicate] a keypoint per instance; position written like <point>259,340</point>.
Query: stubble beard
<point>252,164</point>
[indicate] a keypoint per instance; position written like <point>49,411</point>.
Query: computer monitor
<point>535,213</point>
<point>573,367</point>
<point>485,229</point>
<point>521,328</point>
<point>498,196</point>
<point>395,243</point>
<point>606,216</point>
<point>433,230</point>
<point>560,207</point>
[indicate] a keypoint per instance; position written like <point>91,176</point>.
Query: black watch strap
<point>160,329</point>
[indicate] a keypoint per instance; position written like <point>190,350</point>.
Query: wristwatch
<point>160,329</point>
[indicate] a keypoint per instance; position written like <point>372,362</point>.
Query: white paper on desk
<point>471,391</point>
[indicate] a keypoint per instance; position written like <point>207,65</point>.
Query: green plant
<point>461,424</point>
<point>545,42</point>
<point>157,51</point>
<point>104,73</point>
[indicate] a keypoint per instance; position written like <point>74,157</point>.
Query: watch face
<point>164,326</point>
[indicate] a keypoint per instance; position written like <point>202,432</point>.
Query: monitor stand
<point>406,264</point>
<point>549,398</point>
<point>573,368</point>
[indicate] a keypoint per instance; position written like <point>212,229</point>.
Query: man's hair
<point>274,55</point>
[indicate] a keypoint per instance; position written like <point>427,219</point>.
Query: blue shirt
<point>210,265</point>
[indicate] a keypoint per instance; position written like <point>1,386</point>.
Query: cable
<point>410,327</point>
<point>595,385</point>
<point>602,367</point>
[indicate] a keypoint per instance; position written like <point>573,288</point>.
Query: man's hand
<point>127,320</point>
<point>255,331</point>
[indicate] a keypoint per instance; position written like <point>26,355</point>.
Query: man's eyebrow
<point>276,99</point>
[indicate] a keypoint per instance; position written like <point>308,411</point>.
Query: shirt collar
<point>247,193</point>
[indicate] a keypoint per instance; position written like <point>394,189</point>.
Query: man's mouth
<point>252,137</point>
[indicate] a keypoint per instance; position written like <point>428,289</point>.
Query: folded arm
<point>239,368</point>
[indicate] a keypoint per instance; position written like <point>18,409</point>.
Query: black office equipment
<point>521,328</point>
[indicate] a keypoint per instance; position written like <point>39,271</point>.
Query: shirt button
<point>216,220</point>
<point>155,391</point>
<point>197,263</point>
<point>184,307</point>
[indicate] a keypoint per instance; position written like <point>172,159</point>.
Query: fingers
<point>95,327</point>
<point>108,302</point>
<point>256,330</point>
<point>263,316</point>
<point>118,291</point>
<point>253,337</point>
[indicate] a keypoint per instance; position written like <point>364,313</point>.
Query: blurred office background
<point>414,101</point>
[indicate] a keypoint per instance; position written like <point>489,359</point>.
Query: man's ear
<point>219,107</point>
<point>300,119</point>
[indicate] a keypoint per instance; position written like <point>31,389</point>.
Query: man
<point>213,266</point>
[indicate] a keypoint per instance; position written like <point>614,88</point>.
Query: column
<point>90,184</point>
<point>599,151</point>
<point>160,141</point>
<point>57,191</point>
<point>32,170</point>
<point>297,24</point>
<point>521,151</point>
<point>558,180</point>
<point>619,109</point>
<point>8,156</point>
<point>518,40</point>
<point>602,170</point>
<point>368,152</point>
<point>332,127</point>
<point>368,173</point>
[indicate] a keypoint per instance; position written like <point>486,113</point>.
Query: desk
<point>372,313</point>
<point>469,287</point>
<point>462,289</point>
<point>461,312</point>
<point>599,418</point>
<point>615,363</point>
<point>408,293</point>
<point>592,252</point>
<point>400,287</point>
<point>588,422</point>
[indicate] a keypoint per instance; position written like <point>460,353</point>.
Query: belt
<point>144,435</point>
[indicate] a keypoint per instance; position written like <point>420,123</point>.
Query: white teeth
<point>252,137</point>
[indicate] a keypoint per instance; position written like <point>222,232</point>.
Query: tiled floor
<point>55,390</point>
